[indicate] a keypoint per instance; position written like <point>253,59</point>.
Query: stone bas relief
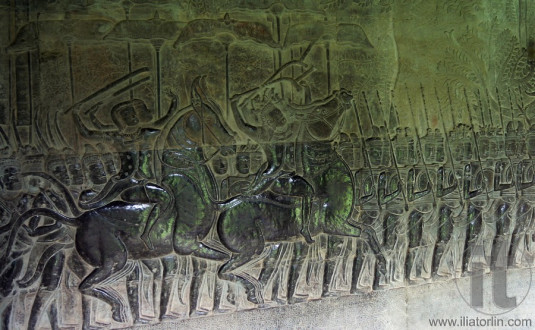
<point>172,159</point>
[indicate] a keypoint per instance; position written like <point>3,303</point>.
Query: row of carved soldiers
<point>443,221</point>
<point>430,219</point>
<point>446,204</point>
<point>93,168</point>
<point>462,144</point>
<point>98,163</point>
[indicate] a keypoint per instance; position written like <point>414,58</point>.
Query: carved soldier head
<point>10,176</point>
<point>109,159</point>
<point>130,114</point>
<point>249,158</point>
<point>379,148</point>
<point>55,165</point>
<point>404,148</point>
<point>440,148</point>
<point>243,162</point>
<point>433,145</point>
<point>514,139</point>
<point>483,141</point>
<point>94,166</point>
<point>350,148</point>
<point>74,166</point>
<point>461,144</point>
<point>220,165</point>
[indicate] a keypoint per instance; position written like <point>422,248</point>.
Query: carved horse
<point>107,237</point>
<point>270,218</point>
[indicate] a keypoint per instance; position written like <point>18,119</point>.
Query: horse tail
<point>71,222</point>
<point>64,190</point>
<point>14,226</point>
<point>30,277</point>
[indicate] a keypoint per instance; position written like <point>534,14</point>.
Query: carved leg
<point>89,286</point>
<point>473,252</point>
<point>226,272</point>
<point>415,259</point>
<point>230,270</point>
<point>368,234</point>
<point>132,284</point>
<point>305,231</point>
<point>150,193</point>
<point>50,282</point>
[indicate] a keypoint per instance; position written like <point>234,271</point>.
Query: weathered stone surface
<point>167,159</point>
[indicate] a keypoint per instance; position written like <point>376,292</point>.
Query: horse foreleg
<point>369,235</point>
<point>306,215</point>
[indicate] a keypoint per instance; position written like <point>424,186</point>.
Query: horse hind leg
<point>90,286</point>
<point>252,251</point>
<point>230,272</point>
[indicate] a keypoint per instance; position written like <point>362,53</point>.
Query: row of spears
<point>458,202</point>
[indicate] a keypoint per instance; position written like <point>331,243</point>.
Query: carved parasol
<point>227,31</point>
<point>155,31</point>
<point>307,35</point>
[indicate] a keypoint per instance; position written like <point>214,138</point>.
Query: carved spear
<point>448,143</point>
<point>419,141</point>
<point>475,139</point>
<point>391,150</point>
<point>365,153</point>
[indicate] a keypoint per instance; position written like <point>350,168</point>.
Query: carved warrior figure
<point>198,135</point>
<point>522,243</point>
<point>316,124</point>
<point>133,132</point>
<point>449,208</point>
<point>192,211</point>
<point>422,223</point>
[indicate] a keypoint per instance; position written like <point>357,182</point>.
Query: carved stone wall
<point>176,158</point>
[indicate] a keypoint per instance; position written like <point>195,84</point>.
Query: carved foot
<point>255,297</point>
<point>118,314</point>
<point>381,266</point>
<point>307,236</point>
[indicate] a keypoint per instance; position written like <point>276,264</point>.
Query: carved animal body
<point>108,236</point>
<point>246,228</point>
